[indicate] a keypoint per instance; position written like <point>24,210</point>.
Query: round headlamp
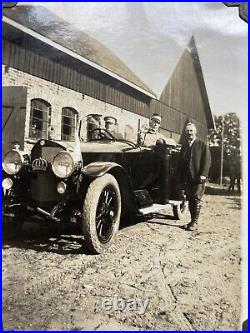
<point>7,184</point>
<point>63,165</point>
<point>13,162</point>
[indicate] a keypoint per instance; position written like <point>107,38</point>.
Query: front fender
<point>98,169</point>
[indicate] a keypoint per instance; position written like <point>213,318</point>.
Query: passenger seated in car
<point>149,135</point>
<point>111,126</point>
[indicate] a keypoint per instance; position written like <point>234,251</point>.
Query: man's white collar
<point>191,142</point>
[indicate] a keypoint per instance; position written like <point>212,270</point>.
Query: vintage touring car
<point>92,183</point>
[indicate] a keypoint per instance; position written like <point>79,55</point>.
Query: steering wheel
<point>101,134</point>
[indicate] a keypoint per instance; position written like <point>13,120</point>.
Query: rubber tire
<point>179,212</point>
<point>89,213</point>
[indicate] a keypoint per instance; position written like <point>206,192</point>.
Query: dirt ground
<point>191,280</point>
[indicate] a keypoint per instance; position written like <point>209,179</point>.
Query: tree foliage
<point>229,124</point>
<point>228,127</point>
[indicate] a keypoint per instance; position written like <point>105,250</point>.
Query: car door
<point>141,164</point>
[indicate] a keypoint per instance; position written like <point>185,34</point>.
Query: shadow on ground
<point>66,239</point>
<point>214,189</point>
<point>43,238</point>
<point>61,239</point>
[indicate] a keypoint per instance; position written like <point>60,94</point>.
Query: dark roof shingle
<point>49,25</point>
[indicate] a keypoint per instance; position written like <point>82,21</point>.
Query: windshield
<point>92,129</point>
<point>97,127</point>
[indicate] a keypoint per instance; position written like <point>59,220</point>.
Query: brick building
<point>53,74</point>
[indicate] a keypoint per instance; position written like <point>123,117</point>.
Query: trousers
<point>194,193</point>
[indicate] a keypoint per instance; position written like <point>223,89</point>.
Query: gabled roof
<point>200,78</point>
<point>41,22</point>
<point>186,91</point>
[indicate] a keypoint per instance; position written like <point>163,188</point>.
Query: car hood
<point>104,146</point>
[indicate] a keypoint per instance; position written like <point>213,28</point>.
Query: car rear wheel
<point>180,210</point>
<point>101,213</point>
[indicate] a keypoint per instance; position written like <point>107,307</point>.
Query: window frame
<point>73,120</point>
<point>43,106</point>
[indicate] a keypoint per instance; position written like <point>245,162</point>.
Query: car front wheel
<point>101,213</point>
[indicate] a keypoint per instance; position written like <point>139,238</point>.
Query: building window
<point>40,115</point>
<point>69,122</point>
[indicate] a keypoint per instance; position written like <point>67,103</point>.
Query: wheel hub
<point>111,214</point>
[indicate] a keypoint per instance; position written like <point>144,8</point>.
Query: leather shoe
<point>191,226</point>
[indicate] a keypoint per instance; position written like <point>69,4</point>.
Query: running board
<point>175,202</point>
<point>158,207</point>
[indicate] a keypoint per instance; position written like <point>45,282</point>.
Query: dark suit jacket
<point>198,164</point>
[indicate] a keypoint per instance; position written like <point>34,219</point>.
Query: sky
<point>150,38</point>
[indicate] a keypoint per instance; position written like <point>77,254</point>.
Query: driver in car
<point>149,135</point>
<point>111,127</point>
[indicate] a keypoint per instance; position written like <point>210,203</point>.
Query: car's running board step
<point>152,209</point>
<point>175,202</point>
<point>157,207</point>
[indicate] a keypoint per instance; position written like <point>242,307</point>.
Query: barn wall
<point>80,78</point>
<point>75,76</point>
<point>185,93</point>
<point>60,97</point>
<point>174,120</point>
<point>64,82</point>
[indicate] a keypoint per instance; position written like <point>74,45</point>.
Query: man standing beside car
<point>194,164</point>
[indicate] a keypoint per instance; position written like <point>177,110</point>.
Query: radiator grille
<point>47,153</point>
<point>43,180</point>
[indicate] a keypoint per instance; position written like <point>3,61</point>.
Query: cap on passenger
<point>156,117</point>
<point>110,120</point>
